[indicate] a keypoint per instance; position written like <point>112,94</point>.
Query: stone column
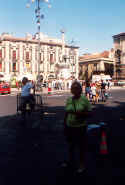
<point>57,59</point>
<point>6,57</point>
<point>45,63</point>
<point>21,59</point>
<point>33,61</point>
<point>102,67</point>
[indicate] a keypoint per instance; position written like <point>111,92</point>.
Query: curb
<point>61,91</point>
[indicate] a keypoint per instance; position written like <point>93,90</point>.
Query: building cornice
<point>95,60</point>
<point>34,41</point>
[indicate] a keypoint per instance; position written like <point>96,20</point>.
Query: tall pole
<point>38,22</point>
<point>72,61</point>
<point>72,69</point>
<point>39,16</point>
<point>72,56</point>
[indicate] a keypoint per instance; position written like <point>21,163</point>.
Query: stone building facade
<point>96,64</point>
<point>19,57</point>
<point>119,47</point>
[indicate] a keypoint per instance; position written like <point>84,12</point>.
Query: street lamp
<point>39,16</point>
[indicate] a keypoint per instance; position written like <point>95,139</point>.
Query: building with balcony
<point>119,50</point>
<point>19,57</point>
<point>96,64</point>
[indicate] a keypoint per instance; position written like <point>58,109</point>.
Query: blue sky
<point>91,23</point>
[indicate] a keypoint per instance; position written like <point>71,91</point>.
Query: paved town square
<point>62,92</point>
<point>34,155</point>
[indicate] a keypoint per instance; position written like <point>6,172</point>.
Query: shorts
<point>76,135</point>
<point>87,90</point>
<point>27,99</point>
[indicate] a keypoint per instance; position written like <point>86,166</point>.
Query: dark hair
<point>87,84</point>
<point>24,80</point>
<point>77,84</point>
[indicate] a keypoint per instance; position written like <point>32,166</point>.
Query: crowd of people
<point>98,91</point>
<point>58,84</point>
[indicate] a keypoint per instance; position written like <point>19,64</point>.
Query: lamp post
<point>39,16</point>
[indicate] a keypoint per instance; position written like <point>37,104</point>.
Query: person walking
<point>93,89</point>
<point>103,90</point>
<point>98,91</point>
<point>87,90</point>
<point>75,127</point>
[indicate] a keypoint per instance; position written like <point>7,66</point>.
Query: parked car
<point>5,88</point>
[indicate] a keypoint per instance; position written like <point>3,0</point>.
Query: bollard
<point>103,145</point>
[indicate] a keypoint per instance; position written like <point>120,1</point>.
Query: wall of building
<point>19,57</point>
<point>119,68</point>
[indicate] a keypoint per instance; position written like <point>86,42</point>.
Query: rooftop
<point>119,35</point>
<point>104,54</point>
<point>34,39</point>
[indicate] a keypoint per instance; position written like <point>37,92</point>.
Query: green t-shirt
<point>81,104</point>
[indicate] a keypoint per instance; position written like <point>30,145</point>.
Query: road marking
<point>7,95</point>
<point>110,97</point>
<point>52,113</point>
<point>57,95</point>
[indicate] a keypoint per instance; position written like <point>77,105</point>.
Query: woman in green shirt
<point>75,128</point>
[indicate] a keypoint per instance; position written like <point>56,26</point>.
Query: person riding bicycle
<point>26,96</point>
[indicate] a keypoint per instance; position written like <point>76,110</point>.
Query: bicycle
<point>27,107</point>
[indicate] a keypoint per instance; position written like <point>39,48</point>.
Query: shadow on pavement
<point>32,155</point>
